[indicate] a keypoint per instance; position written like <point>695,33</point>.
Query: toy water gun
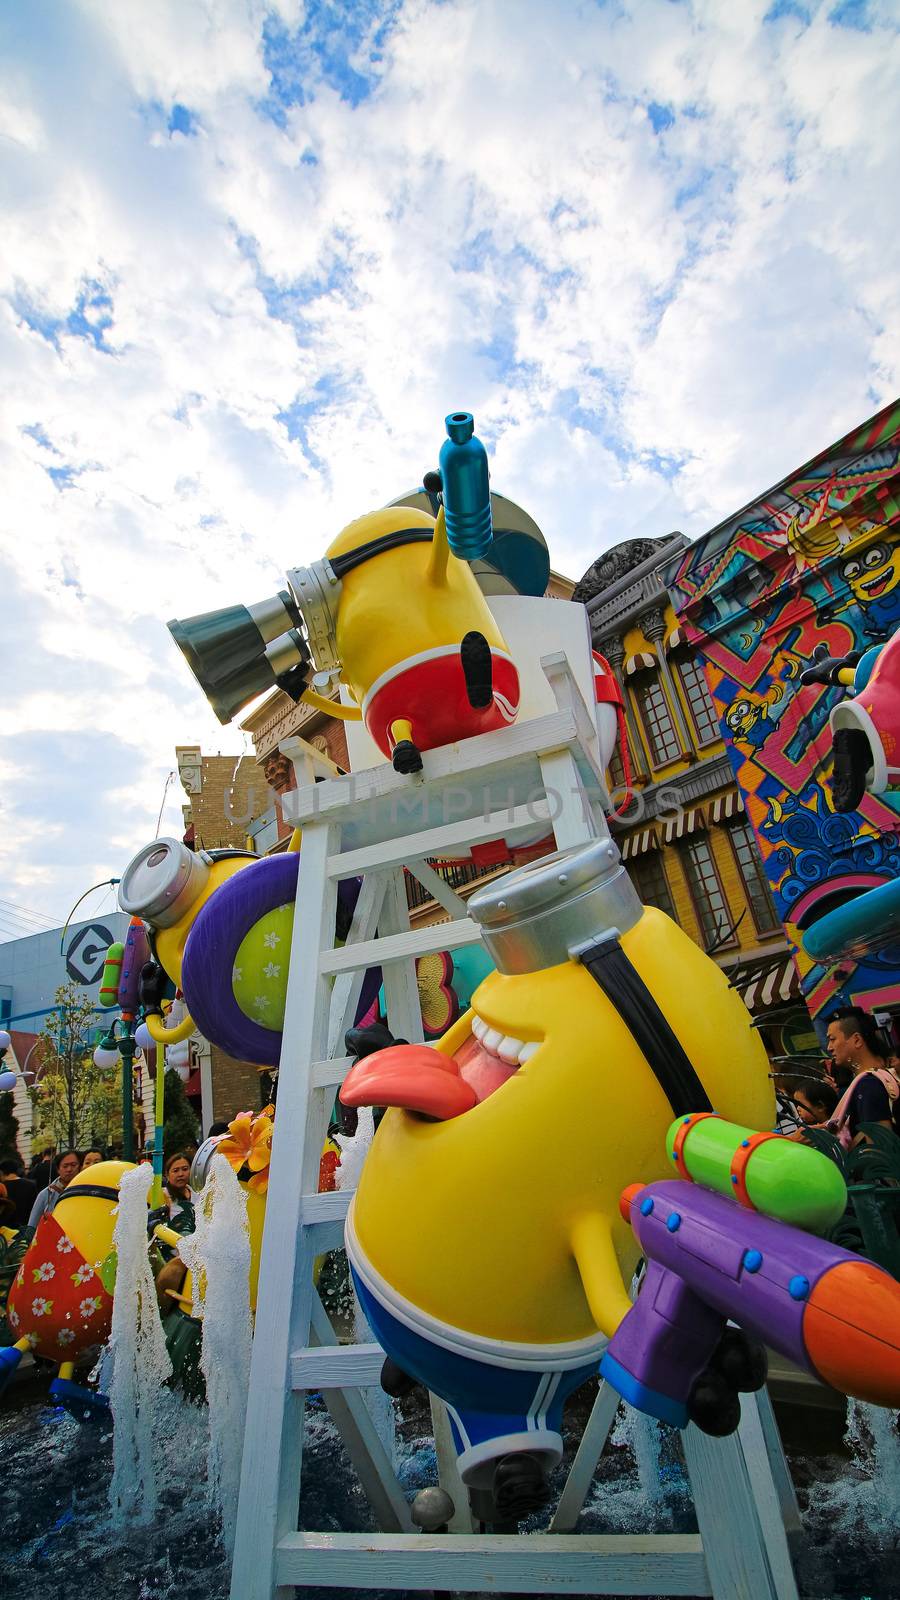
<point>135,956</point>
<point>711,1259</point>
<point>112,972</point>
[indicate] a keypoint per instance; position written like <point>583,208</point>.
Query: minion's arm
<point>601,1277</point>
<point>440,550</point>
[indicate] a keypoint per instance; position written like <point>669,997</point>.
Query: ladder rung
<point>520,1563</point>
<point>324,1215</point>
<point>487,756</point>
<point>435,841</point>
<point>337,1366</point>
<point>326,1074</point>
<point>400,946</point>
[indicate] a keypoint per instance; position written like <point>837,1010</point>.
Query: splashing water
<point>354,1149</point>
<point>873,1438</point>
<point>218,1256</point>
<point>139,1360</point>
<point>642,1436</point>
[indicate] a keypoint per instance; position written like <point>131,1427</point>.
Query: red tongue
<point>410,1075</point>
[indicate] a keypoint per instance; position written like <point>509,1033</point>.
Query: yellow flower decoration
<point>248,1147</point>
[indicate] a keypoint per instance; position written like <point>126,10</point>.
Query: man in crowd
<point>853,1042</point>
<point>21,1191</point>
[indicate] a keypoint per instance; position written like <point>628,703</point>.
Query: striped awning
<point>676,637</point>
<point>726,806</point>
<point>638,662</point>
<point>637,844</point>
<point>682,826</point>
<point>774,984</point>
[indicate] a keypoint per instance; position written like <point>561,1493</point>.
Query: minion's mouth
<point>419,1078</point>
<point>877,585</point>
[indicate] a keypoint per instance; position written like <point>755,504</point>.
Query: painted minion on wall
<point>485,1237</point>
<point>873,576</point>
<point>749,719</point>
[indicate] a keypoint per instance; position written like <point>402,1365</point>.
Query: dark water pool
<point>56,1539</point>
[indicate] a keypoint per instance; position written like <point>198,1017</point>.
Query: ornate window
<point>700,705</point>
<point>707,893</point>
<point>659,729</point>
<point>649,878</point>
<point>756,888</point>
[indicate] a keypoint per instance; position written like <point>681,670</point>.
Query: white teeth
<point>510,1050</point>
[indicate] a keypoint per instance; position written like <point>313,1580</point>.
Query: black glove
<point>825,667</point>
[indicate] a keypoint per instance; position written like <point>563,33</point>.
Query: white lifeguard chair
<point>543,775</point>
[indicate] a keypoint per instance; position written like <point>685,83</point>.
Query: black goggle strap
<point>81,1191</point>
<point>376,547</point>
<point>626,990</point>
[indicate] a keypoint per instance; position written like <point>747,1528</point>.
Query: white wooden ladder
<point>373,825</point>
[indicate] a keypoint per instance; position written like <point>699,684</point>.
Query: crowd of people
<point>27,1194</point>
<point>859,1084</point>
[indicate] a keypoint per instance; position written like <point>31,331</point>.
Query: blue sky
<point>254,253</point>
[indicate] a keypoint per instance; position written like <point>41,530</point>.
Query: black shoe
<point>520,1486</point>
<point>406,757</point>
<point>742,1362</point>
<point>394,1381</point>
<point>478,670</point>
<point>852,761</point>
<point>714,1405</point>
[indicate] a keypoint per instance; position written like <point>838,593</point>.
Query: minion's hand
<point>825,667</point>
<point>360,1042</point>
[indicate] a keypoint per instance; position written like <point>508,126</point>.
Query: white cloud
<point>650,245</point>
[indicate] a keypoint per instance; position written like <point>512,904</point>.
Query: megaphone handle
<point>332,708</point>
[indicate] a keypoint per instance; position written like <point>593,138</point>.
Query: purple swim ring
<point>212,946</point>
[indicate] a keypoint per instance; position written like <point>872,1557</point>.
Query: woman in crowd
<point>92,1157</point>
<point>66,1166</point>
<point>179,1197</point>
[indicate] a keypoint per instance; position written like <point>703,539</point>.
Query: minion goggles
<point>550,911</point>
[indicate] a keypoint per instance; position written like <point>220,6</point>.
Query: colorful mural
<point>814,561</point>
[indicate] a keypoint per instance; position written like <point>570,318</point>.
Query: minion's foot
<point>394,1381</point>
<point>406,757</point>
<point>478,670</point>
<point>520,1486</point>
<point>852,760</point>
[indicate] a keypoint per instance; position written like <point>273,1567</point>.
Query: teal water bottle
<point>467,493</point>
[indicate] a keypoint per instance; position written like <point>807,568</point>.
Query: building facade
<point>682,826</point>
<point>814,561</point>
<point>31,971</point>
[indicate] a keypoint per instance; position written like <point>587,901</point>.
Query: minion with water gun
<point>485,1237</point>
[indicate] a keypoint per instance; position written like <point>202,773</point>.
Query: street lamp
<point>7,1079</point>
<point>107,1053</point>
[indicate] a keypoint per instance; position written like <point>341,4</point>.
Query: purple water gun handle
<point>137,952</point>
<point>663,1345</point>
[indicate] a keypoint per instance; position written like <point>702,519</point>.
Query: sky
<point>254,251</point>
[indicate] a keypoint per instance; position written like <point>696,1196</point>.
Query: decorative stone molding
<point>653,624</point>
<point>615,564</point>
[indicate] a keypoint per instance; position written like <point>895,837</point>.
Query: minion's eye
<point>876,557</point>
<point>851,570</point>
